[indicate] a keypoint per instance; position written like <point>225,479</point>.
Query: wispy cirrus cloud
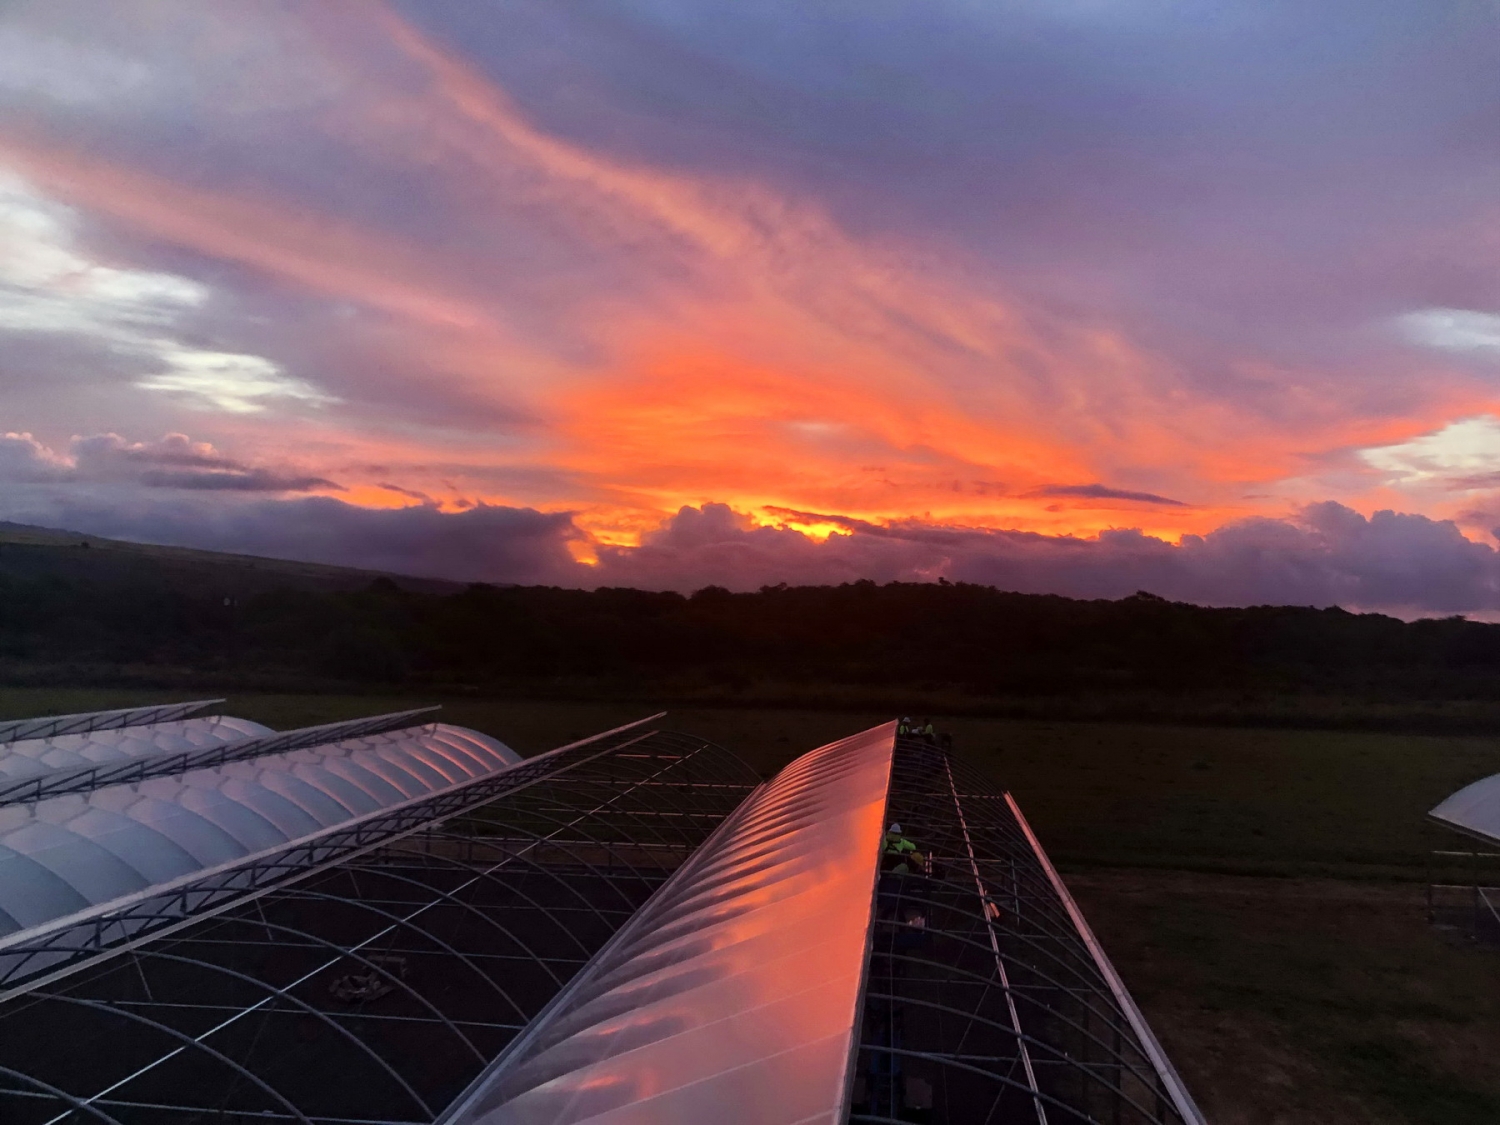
<point>50,286</point>
<point>1068,270</point>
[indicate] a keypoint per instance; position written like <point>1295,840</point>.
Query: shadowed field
<point>1262,891</point>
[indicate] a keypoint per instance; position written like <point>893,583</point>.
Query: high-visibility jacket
<point>897,852</point>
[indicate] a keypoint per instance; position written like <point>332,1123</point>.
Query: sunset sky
<point>1080,296</point>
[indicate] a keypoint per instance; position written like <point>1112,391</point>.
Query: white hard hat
<point>894,828</point>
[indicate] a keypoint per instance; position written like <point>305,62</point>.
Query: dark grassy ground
<point>1262,891</point>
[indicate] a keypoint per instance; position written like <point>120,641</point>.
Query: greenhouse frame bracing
<point>988,998</point>
<point>790,973</point>
<point>368,975</point>
<point>630,929</point>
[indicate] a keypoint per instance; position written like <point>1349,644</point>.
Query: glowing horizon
<point>412,257</point>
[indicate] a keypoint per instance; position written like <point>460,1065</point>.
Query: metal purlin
<point>1032,951</point>
<point>989,926</point>
<point>577,779</point>
<point>26,956</point>
<point>86,779</point>
<point>54,726</point>
<point>1032,1042</point>
<point>1044,961</point>
<point>73,1104</point>
<point>601,800</point>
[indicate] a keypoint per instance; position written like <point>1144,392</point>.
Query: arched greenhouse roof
<point>32,756</point>
<point>1474,809</point>
<point>66,854</point>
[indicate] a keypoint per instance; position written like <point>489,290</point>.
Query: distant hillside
<point>28,552</point>
<point>120,613</point>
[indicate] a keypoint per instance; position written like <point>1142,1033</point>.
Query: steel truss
<point>53,726</point>
<point>367,976</point>
<point>85,779</point>
<point>987,998</point>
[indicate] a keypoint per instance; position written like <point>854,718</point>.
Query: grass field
<point>1262,891</point>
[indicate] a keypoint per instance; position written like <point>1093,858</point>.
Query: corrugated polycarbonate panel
<point>66,854</point>
<point>33,756</point>
<point>1474,808</point>
<point>732,996</point>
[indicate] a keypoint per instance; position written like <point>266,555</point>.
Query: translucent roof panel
<point>70,853</point>
<point>13,730</point>
<point>1474,809</point>
<point>33,756</point>
<point>732,996</point>
<point>376,983</point>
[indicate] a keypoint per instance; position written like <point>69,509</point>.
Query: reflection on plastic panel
<point>732,995</point>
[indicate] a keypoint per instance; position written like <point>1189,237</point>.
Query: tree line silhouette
<point>968,638</point>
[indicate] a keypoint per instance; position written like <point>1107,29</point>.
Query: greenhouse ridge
<point>395,920</point>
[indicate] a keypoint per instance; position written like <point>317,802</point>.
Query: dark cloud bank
<point>175,461</point>
<point>1327,555</point>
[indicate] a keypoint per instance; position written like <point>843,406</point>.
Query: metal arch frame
<point>1041,936</point>
<point>511,858</point>
<point>698,862</point>
<point>1044,947</point>
<point>353,953</point>
<point>959,1064</point>
<point>302,893</point>
<point>448,897</point>
<point>396,922</point>
<point>535,841</point>
<point>1141,1071</point>
<point>341,953</point>
<point>53,726</point>
<point>75,1105</point>
<point>1041,947</point>
<point>113,925</point>
<point>1069,941</point>
<point>1123,1016</point>
<point>633,795</point>
<point>86,779</point>
<point>1000,970</point>
<point>1043,902</point>
<point>582,817</point>
<point>186,1041</point>
<point>487,875</point>
<point>685,841</point>
<point>1029,1086</point>
<point>1122,996</point>
<point>286,996</point>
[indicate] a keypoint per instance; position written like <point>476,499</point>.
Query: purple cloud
<point>175,461</point>
<point>1327,555</point>
<point>1104,492</point>
<point>482,544</point>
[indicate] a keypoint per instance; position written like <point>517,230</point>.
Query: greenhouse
<point>634,927</point>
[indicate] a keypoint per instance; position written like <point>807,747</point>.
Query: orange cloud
<point>767,359</point>
<point>312,250</point>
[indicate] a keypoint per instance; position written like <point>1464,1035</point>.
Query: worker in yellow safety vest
<point>898,855</point>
